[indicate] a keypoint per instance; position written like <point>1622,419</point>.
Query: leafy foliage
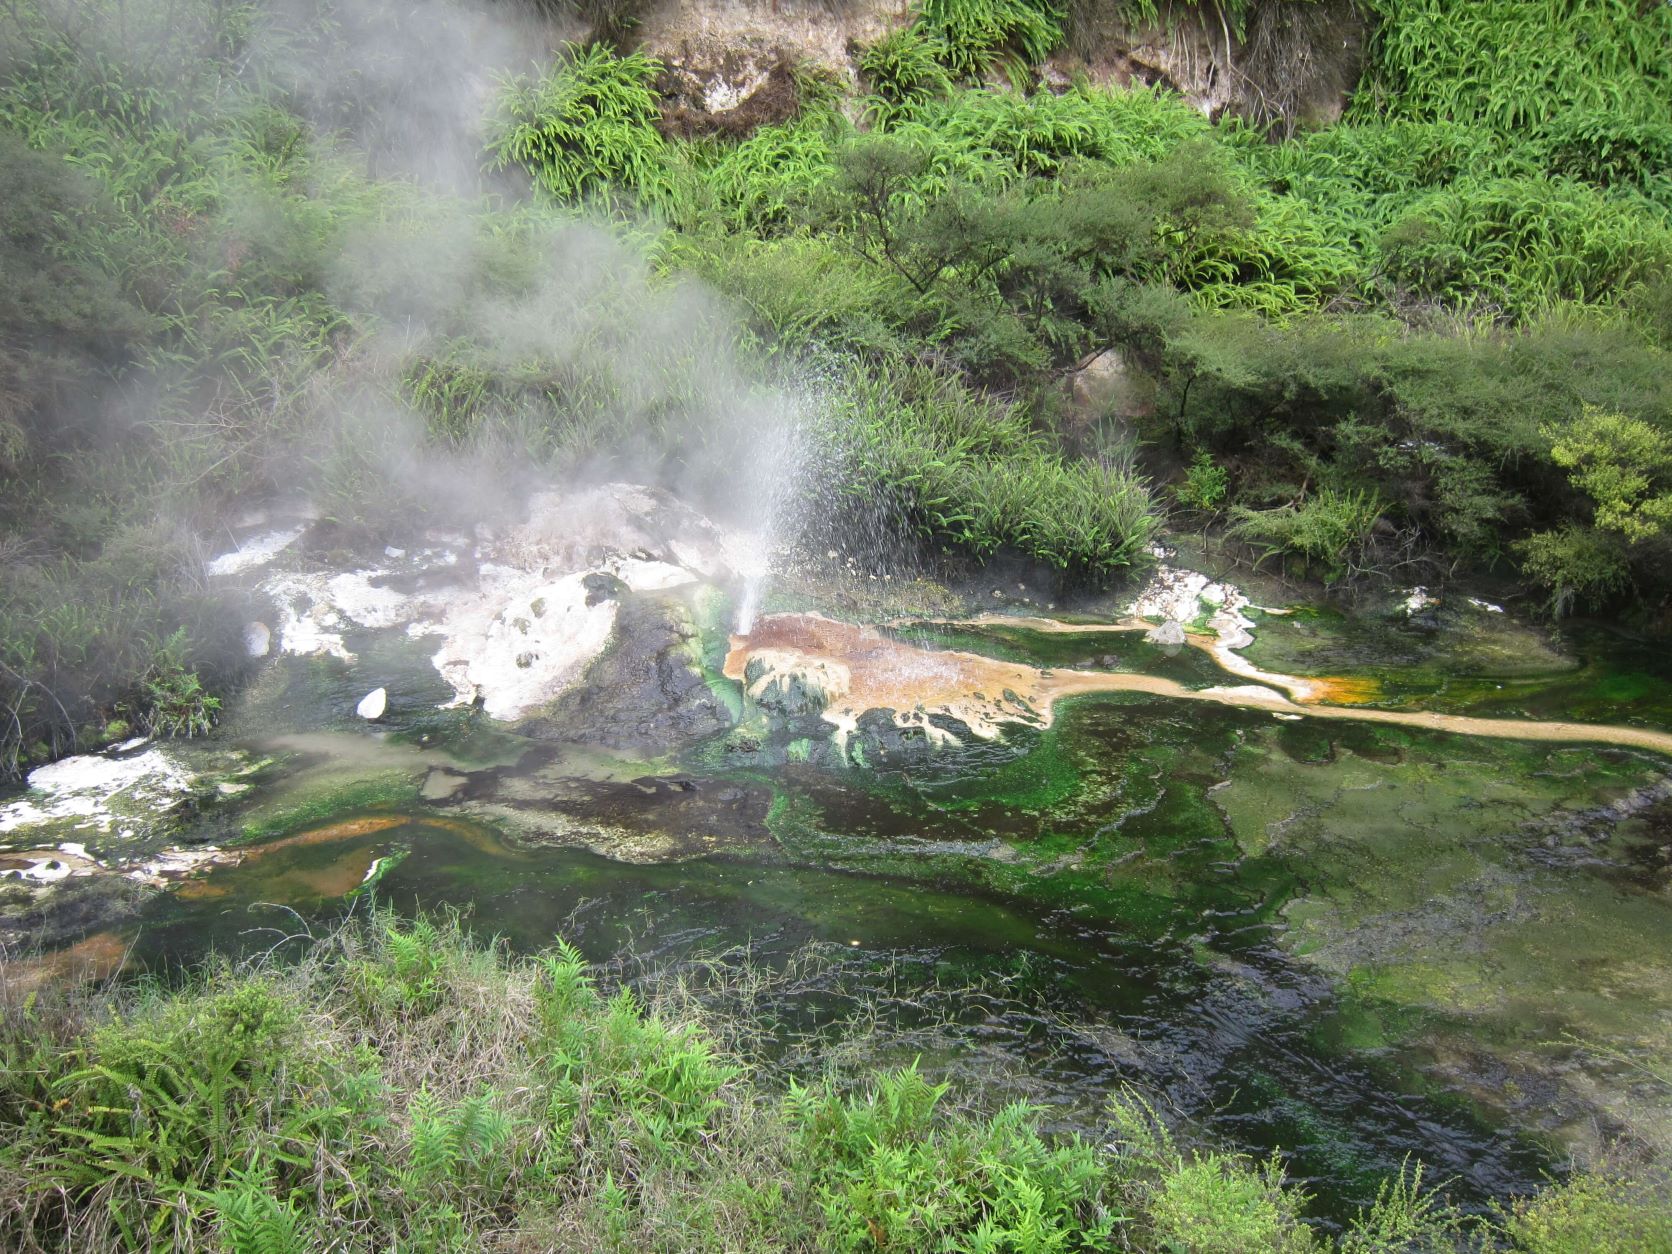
<point>1624,465</point>
<point>175,701</point>
<point>587,129</point>
<point>1205,485</point>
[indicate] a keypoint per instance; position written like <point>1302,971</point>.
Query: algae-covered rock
<point>645,818</point>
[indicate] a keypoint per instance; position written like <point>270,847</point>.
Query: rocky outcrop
<point>725,51</point>
<point>647,691</point>
<point>1292,63</point>
<point>516,614</point>
<point>688,112</point>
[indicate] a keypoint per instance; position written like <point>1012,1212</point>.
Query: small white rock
<point>258,638</point>
<point>1169,634</point>
<point>373,704</point>
<point>1418,600</point>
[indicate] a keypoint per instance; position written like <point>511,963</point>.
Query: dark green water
<point>1355,943</point>
<point>1060,1009</point>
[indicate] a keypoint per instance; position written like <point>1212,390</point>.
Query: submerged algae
<point>1473,921</point>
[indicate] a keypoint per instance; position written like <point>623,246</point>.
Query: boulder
<point>1169,634</point>
<point>647,690</point>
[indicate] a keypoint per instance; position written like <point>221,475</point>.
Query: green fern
<point>250,1220</point>
<point>587,131</point>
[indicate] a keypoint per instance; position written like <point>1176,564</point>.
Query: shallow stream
<point>1353,940</point>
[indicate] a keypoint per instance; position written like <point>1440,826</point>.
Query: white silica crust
<point>82,789</point>
<point>519,613</point>
<point>523,643</point>
<point>256,551</point>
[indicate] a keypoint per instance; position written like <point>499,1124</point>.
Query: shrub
<point>1214,1203</point>
<point>1017,136</point>
<point>898,1174</point>
<point>587,129</point>
<point>1596,1210</point>
<point>1329,528</point>
<point>1576,565</point>
<point>1217,1206</point>
<point>1624,465</point>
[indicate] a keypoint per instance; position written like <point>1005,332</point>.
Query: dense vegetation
<point>400,1086</point>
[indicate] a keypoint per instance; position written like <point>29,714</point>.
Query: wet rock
<point>373,705</point>
<point>647,819</point>
<point>790,685</point>
<point>724,53</point>
<point>600,587</point>
<point>441,784</point>
<point>124,805</point>
<point>647,691</point>
<point>1292,64</point>
<point>62,912</point>
<point>1169,634</point>
<point>935,741</point>
<point>525,642</point>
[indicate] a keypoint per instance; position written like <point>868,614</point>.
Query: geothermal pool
<point>1347,889</point>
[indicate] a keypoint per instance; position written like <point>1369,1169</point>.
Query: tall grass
<point>971,474</point>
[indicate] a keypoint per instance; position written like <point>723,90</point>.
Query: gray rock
<point>1169,634</point>
<point>647,691</point>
